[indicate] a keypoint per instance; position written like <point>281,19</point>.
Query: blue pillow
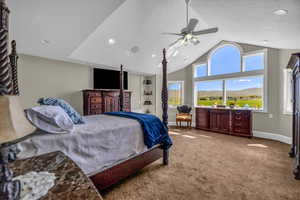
<point>73,114</point>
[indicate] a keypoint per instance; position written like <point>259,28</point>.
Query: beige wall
<point>40,77</point>
<point>278,123</point>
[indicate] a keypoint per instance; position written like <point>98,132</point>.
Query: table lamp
<point>14,127</point>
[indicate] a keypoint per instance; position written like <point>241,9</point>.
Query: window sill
<point>253,110</point>
<point>287,113</point>
<point>172,107</point>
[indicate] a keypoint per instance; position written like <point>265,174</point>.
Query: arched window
<point>231,77</point>
<point>225,60</point>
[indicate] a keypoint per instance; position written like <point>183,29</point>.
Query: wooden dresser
<point>99,101</point>
<point>222,120</point>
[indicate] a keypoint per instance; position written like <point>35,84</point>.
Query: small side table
<point>184,117</point>
<point>70,184</point>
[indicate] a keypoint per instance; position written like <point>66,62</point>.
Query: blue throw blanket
<point>155,132</point>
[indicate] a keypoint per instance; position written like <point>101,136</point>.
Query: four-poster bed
<point>112,174</point>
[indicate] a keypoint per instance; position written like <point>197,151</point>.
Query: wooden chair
<point>184,115</point>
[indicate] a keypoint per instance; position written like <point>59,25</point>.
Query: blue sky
<point>226,60</point>
<point>174,86</point>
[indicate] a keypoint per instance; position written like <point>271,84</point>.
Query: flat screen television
<point>108,79</point>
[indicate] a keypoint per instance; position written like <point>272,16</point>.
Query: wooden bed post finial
<point>121,89</point>
<point>164,91</point>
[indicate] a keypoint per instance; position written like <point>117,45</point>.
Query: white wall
<point>40,77</point>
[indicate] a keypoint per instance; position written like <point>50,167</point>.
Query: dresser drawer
<point>242,131</point>
<point>241,115</point>
<point>95,111</point>
<point>93,94</point>
<point>95,106</point>
<point>95,100</point>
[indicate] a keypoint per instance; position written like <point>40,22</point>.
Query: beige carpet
<point>207,165</point>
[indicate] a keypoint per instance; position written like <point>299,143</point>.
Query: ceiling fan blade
<point>176,41</point>
<point>191,26</point>
<point>206,31</point>
<point>179,34</point>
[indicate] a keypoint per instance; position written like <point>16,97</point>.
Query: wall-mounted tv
<point>108,79</point>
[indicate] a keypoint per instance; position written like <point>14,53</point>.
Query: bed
<point>118,153</point>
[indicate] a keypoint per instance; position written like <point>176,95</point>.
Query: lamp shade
<point>13,123</point>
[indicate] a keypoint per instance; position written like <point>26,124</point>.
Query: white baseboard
<point>273,136</point>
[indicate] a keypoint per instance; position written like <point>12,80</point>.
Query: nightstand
<point>71,183</point>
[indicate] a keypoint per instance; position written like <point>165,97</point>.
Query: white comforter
<point>102,141</point>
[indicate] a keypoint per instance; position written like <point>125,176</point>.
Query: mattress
<point>99,143</point>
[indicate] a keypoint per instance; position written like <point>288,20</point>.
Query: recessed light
<point>111,41</point>
<point>153,55</point>
<point>45,42</point>
<point>281,12</point>
<point>265,41</point>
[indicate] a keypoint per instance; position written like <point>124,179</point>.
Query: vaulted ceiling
<point>78,31</point>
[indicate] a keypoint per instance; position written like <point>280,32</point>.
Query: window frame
<point>286,90</point>
<point>182,93</point>
<point>196,65</point>
<point>241,74</point>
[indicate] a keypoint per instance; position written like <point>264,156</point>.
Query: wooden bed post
<point>14,67</point>
<point>121,89</point>
<point>5,70</point>
<point>164,91</point>
<point>164,99</point>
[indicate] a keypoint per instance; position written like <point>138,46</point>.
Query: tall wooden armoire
<point>294,64</point>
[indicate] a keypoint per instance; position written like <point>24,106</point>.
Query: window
<point>288,92</point>
<point>253,62</point>
<point>209,93</point>
<point>245,92</point>
<point>232,78</point>
<point>225,60</point>
<point>200,70</point>
<point>175,89</point>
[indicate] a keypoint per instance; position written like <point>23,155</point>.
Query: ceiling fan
<point>188,34</point>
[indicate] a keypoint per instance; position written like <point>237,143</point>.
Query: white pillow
<point>52,119</point>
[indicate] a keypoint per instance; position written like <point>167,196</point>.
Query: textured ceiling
<point>78,31</point>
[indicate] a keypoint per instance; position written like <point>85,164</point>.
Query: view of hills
<point>232,93</point>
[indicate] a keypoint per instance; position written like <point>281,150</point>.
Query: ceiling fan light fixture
<point>189,36</point>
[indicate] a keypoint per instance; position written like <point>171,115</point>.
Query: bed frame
<point>112,174</point>
<point>122,170</point>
